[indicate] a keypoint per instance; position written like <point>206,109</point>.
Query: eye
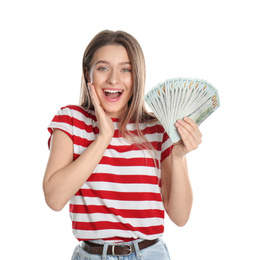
<point>102,69</point>
<point>126,70</point>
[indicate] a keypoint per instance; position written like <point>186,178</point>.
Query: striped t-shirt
<point>121,200</point>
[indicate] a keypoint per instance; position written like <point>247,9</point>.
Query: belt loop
<point>104,251</point>
<point>137,250</point>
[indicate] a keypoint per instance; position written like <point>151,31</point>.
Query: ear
<point>87,74</point>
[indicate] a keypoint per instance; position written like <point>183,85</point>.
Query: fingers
<point>99,111</point>
<point>189,132</point>
<point>93,95</point>
<point>191,123</point>
<point>105,124</point>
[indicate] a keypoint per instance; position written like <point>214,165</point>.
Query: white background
<point>42,44</point>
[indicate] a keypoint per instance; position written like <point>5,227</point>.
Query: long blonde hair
<point>136,111</point>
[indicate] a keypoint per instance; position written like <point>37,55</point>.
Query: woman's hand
<point>105,124</point>
<point>191,137</point>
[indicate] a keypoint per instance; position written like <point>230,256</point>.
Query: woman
<point>113,160</point>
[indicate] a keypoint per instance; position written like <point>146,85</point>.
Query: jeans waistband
<point>116,249</point>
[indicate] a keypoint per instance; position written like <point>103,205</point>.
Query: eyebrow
<point>107,62</point>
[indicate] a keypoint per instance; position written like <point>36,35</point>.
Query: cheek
<point>96,79</point>
<point>98,90</point>
<point>130,92</point>
<point>92,77</point>
<point>95,76</point>
<point>128,81</point>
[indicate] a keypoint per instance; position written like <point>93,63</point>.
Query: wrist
<point>178,157</point>
<point>104,139</point>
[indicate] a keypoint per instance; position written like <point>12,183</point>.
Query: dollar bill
<point>182,97</point>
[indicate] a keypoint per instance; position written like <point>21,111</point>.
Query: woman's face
<point>111,75</point>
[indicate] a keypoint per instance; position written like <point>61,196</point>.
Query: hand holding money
<point>190,135</point>
<point>179,98</point>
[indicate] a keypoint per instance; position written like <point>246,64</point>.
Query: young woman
<point>114,161</point>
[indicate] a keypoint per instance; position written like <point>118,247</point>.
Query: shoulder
<point>76,109</point>
<point>73,116</point>
<point>73,120</point>
<point>77,112</point>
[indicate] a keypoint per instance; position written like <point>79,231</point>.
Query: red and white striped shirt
<point>121,200</point>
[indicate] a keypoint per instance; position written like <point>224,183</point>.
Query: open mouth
<point>113,94</point>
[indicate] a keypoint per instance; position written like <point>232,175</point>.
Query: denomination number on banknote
<point>215,101</point>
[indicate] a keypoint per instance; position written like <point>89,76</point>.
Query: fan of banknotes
<point>182,97</point>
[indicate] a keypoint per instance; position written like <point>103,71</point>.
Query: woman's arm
<point>176,188</point>
<point>63,176</point>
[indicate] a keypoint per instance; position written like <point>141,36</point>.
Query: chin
<point>115,113</point>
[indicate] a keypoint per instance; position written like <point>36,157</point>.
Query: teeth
<point>112,91</point>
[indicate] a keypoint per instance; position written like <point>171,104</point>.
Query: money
<point>176,98</point>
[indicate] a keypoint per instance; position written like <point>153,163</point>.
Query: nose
<point>113,78</point>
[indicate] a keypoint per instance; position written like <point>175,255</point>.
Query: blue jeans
<point>157,251</point>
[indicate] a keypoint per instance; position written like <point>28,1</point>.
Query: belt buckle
<point>130,249</point>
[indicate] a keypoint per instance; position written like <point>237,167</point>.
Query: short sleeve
<point>63,121</point>
<point>166,147</point>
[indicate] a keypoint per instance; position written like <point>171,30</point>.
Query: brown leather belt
<point>124,249</point>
